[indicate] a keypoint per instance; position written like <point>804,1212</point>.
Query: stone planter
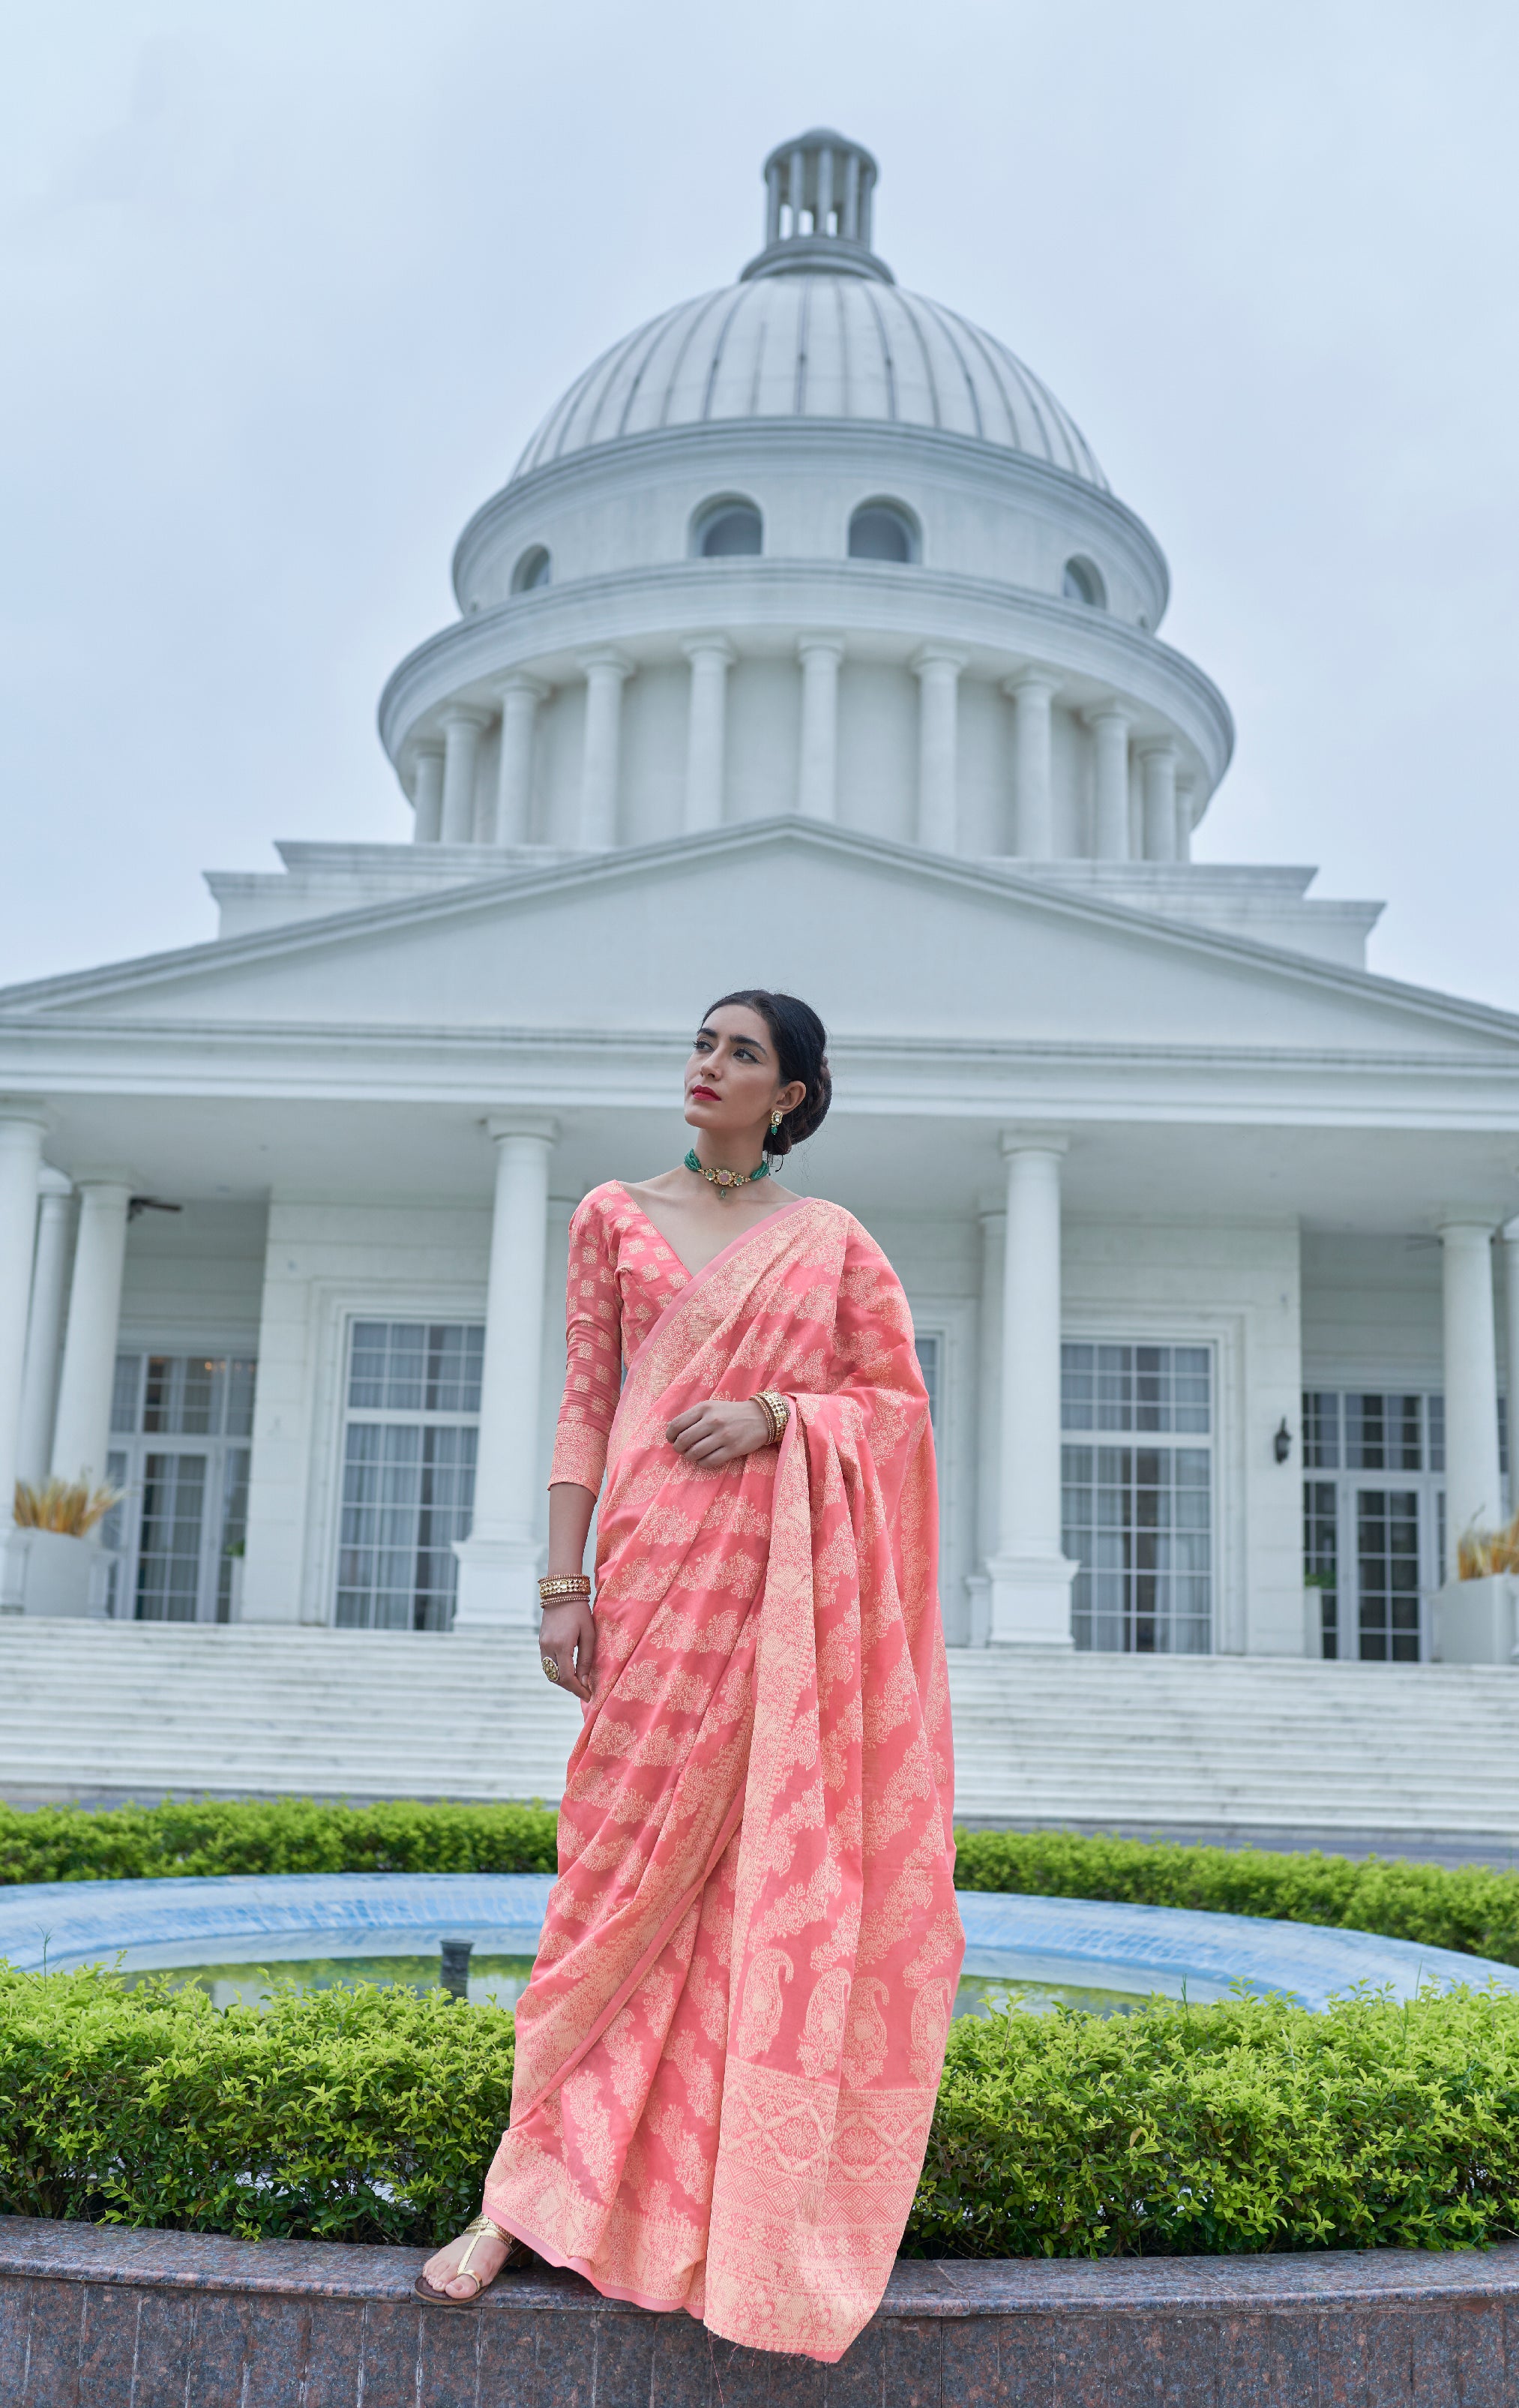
<point>93,2317</point>
<point>1474,1621</point>
<point>62,1578</point>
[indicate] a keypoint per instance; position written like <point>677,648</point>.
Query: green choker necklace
<point>727,1182</point>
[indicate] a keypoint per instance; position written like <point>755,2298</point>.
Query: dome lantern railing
<point>819,191</point>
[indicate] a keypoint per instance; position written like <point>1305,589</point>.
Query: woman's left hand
<point>720,1432</point>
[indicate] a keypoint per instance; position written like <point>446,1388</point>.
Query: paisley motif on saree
<point>728,2053</point>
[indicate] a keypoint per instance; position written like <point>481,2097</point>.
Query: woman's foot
<point>486,2260</point>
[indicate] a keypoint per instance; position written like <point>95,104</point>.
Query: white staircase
<point>1226,1743</point>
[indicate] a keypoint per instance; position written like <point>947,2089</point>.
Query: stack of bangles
<point>552,1591</point>
<point>778,1412</point>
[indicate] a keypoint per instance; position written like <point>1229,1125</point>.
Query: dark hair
<point>801,1052</point>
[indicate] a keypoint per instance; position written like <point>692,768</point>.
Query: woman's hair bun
<point>801,1045</point>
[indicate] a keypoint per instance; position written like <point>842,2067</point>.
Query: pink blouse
<point>622,1276</point>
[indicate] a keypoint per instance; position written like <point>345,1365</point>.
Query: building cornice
<point>891,609</point>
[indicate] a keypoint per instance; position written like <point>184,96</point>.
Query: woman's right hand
<point>567,1634</point>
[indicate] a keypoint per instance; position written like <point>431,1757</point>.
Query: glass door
<point>180,1425</point>
<point>1388,1561</point>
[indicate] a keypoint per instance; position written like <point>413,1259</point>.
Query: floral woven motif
<point>729,2050</point>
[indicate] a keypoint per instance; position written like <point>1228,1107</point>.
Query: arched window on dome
<point>1083,583</point>
<point>534,570</point>
<point>729,528</point>
<point>883,531</point>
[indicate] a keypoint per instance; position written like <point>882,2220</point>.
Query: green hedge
<point>284,1835</point>
<point>363,2115</point>
<point>1471,1909</point>
<point>371,2115</point>
<point>1242,2126</point>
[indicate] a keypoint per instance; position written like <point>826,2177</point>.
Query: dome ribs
<point>887,362</point>
<point>947,324</point>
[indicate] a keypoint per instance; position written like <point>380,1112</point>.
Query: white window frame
<point>1224,1334</point>
<point>130,1448</point>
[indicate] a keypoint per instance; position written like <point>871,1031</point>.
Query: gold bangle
<point>778,1410</point>
<point>563,1585</point>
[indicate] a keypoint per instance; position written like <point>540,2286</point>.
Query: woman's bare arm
<point>568,1632</point>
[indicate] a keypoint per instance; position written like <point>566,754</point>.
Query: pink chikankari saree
<point>728,2053</point>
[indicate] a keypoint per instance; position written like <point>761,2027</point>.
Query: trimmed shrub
<point>1247,2126</point>
<point>284,1835</point>
<point>365,2114</point>
<point>370,2114</point>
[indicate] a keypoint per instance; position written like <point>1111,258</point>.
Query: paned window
<point>929,1351</point>
<point>408,1471</point>
<point>1138,1506</point>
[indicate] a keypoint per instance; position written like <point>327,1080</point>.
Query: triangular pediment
<point>892,944</point>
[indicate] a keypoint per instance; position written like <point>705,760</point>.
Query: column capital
<point>1480,1220</point>
<point>463,714</point>
<point>536,689</point>
<point>512,1122</point>
<point>1032,681</point>
<point>820,648</point>
<point>1033,1140</point>
<point>428,748</point>
<point>938,656</point>
<point>105,1175</point>
<point>607,661</point>
<point>1158,748</point>
<point>1510,1232</point>
<point>53,1183</point>
<point>22,1112</point>
<point>710,648</point>
<point>1108,713</point>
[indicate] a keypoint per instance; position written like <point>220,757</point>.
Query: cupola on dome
<point>816,327</point>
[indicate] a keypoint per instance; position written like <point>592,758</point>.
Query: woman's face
<point>733,1078</point>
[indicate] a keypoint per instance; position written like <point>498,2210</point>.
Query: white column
<point>501,1556</point>
<point>520,700</point>
<point>710,658</point>
<point>81,1432</point>
<point>1109,725</point>
<point>44,1329</point>
<point>601,760</point>
<point>427,794</point>
<point>1473,1491</point>
<point>817,775</point>
<point>938,672</point>
<point>1510,1300</point>
<point>1187,790</point>
<point>1033,792</point>
<point>1159,764</point>
<point>461,752</point>
<point>1030,1577</point>
<point>20,1157</point>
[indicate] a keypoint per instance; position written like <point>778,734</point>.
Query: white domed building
<point>805,645</point>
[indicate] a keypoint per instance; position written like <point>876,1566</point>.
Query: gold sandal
<point>480,2228</point>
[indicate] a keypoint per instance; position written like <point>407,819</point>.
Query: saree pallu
<point>729,2054</point>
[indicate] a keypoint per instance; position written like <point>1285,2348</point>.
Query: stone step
<point>1205,1741</point>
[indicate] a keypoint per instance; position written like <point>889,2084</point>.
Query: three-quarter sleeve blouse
<point>622,1275</point>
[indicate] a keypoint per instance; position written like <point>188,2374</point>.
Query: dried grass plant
<point>1481,1553</point>
<point>69,1506</point>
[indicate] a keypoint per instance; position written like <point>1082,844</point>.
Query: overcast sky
<point>286,286</point>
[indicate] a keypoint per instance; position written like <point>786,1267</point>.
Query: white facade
<point>806,647</point>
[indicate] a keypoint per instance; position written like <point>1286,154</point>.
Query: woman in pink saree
<point>728,2053</point>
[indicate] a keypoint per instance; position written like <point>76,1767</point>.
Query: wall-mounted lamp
<point>1281,1444</point>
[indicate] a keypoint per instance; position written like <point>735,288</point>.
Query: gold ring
<point>551,1668</point>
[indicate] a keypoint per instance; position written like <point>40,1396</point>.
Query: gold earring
<point>775,1122</point>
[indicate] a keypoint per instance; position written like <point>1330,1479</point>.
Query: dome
<point>814,345</point>
<point>816,327</point>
